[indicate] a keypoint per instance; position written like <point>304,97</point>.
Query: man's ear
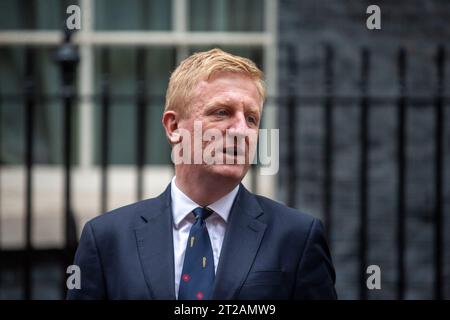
<point>170,122</point>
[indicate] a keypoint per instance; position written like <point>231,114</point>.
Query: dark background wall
<point>305,29</point>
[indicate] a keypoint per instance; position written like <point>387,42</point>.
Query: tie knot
<point>202,213</point>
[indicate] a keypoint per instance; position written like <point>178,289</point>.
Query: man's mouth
<point>234,151</point>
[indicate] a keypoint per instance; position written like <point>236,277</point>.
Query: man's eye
<point>221,113</point>
<point>251,119</point>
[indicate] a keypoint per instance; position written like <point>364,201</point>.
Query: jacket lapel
<point>241,243</point>
<point>155,246</point>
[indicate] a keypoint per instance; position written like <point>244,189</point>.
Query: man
<point>206,236</point>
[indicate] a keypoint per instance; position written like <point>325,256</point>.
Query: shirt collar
<point>182,205</point>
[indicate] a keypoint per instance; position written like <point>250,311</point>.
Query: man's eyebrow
<point>221,103</point>
<point>254,108</point>
<point>217,103</point>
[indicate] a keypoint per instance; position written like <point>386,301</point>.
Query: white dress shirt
<point>183,219</point>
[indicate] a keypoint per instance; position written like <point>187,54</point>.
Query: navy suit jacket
<point>269,251</point>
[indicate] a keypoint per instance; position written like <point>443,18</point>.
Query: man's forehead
<point>227,88</point>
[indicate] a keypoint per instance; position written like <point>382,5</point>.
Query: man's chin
<point>230,171</point>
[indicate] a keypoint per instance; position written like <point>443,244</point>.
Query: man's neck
<point>204,190</point>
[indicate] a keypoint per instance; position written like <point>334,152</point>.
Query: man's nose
<point>239,124</point>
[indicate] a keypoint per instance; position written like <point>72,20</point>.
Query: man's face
<point>230,104</point>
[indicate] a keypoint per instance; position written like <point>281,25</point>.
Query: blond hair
<point>202,66</point>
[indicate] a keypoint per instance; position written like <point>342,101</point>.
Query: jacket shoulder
<point>285,214</point>
<point>123,217</point>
